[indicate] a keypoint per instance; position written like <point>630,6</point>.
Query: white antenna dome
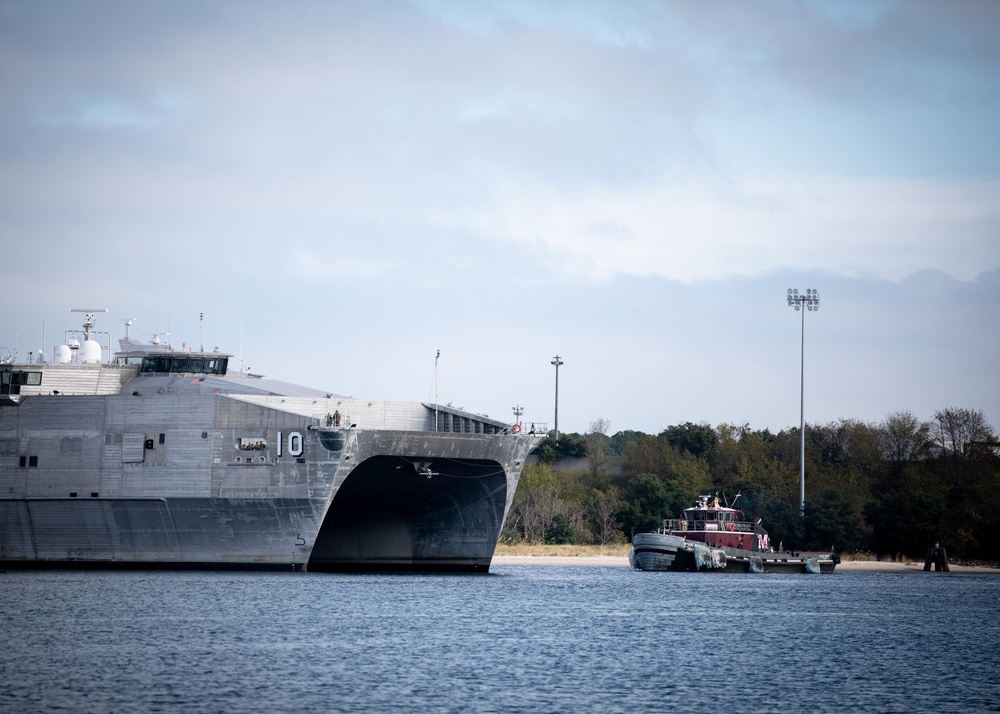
<point>90,352</point>
<point>63,354</point>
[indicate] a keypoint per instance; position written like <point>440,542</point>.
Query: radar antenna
<point>88,320</point>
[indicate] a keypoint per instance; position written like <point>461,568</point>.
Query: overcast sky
<point>344,188</point>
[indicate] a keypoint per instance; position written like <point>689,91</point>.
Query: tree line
<point>891,488</point>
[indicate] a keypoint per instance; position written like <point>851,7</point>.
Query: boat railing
<point>680,524</point>
<point>529,428</point>
<point>335,420</point>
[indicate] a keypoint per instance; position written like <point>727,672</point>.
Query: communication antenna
<point>201,330</point>
<point>128,324</point>
<point>436,389</point>
<point>242,297</point>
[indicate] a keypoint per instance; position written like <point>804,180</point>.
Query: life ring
<point>732,527</point>
<point>515,429</point>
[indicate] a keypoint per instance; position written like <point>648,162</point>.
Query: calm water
<point>525,638</point>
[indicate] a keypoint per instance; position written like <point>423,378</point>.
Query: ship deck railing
<point>679,524</point>
<point>330,421</point>
<point>334,422</point>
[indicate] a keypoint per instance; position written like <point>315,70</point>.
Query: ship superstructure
<point>162,458</point>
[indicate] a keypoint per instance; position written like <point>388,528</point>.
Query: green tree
<point>968,466</point>
<point>745,460</point>
<point>892,487</point>
<point>779,516</point>
<point>560,529</point>
<point>696,439</point>
<point>539,497</point>
<point>604,507</point>
<point>906,522</point>
<point>832,521</point>
<point>618,442</point>
<point>655,455</point>
<point>648,500</point>
<point>569,446</point>
<point>904,438</point>
<point>595,444</point>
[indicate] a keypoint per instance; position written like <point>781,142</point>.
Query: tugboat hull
<point>664,552</point>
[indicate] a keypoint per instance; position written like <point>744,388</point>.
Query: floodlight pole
<point>803,303</point>
<point>556,361</point>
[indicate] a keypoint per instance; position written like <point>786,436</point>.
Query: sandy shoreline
<point>622,561</point>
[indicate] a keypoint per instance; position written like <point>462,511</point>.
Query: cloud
<point>631,184</point>
<point>705,228</point>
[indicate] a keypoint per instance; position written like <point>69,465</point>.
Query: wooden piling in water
<point>939,557</point>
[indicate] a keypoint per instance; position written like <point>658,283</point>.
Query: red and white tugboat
<point>709,536</point>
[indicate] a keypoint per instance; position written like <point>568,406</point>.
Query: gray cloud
<point>631,184</point>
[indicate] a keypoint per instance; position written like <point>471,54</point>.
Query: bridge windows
<point>11,380</point>
<point>183,364</point>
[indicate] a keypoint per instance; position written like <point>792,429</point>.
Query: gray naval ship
<point>156,458</point>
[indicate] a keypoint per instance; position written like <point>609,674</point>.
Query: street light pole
<point>803,303</point>
<point>556,361</point>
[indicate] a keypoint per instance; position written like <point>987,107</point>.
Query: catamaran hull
<point>253,488</point>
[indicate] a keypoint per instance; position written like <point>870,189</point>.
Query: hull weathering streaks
<point>156,458</point>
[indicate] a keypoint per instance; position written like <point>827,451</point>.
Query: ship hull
<point>235,482</point>
<point>671,553</point>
